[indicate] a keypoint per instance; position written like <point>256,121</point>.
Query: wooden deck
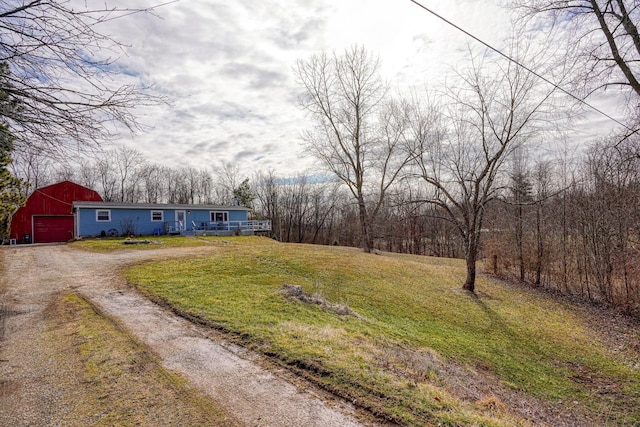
<point>226,228</point>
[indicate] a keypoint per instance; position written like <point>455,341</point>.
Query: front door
<point>181,220</point>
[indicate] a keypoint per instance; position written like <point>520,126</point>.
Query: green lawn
<point>412,316</point>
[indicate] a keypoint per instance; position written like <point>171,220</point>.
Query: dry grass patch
<point>114,381</point>
<point>297,293</point>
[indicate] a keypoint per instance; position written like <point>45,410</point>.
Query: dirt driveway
<point>234,378</point>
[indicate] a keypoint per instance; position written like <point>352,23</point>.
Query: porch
<point>228,228</point>
<point>217,228</point>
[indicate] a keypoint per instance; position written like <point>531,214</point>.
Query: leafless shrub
<point>128,226</point>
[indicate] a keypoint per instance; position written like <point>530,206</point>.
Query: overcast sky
<point>227,68</point>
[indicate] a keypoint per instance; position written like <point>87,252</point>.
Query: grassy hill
<point>416,349</point>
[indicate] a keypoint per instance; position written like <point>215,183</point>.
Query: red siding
<point>51,201</point>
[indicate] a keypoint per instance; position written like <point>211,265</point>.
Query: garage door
<point>48,229</point>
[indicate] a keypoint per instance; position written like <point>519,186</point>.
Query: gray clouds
<point>227,67</point>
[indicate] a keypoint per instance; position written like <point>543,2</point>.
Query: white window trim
<point>212,216</point>
<point>161,216</point>
<point>98,211</point>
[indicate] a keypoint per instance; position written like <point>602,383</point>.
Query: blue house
<point>94,219</point>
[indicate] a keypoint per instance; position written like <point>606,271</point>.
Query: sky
<point>227,68</point>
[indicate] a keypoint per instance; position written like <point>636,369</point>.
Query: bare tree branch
<point>63,75</point>
<point>602,35</point>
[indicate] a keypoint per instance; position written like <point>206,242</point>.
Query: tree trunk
<point>367,240</point>
<point>540,246</point>
<point>471,256</point>
<point>519,243</point>
<point>470,282</point>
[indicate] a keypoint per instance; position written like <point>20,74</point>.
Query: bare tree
<point>324,199</point>
<point>462,159</point>
<point>344,95</point>
<point>33,168</point>
<point>601,34</point>
<point>177,185</point>
<point>127,164</point>
<point>296,206</point>
<point>61,74</point>
<point>107,178</point>
<point>205,186</point>
<point>269,198</point>
<point>611,218</point>
<point>64,172</point>
<point>521,197</point>
<point>226,179</point>
<point>543,191</point>
<point>86,175</point>
<point>153,181</point>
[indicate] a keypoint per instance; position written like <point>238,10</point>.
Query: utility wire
<point>519,64</point>
<point>135,11</point>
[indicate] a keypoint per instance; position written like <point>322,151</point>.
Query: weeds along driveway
<point>33,275</point>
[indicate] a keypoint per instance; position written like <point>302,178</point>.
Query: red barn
<point>48,216</point>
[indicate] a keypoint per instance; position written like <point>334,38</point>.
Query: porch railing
<point>255,225</point>
<point>174,227</point>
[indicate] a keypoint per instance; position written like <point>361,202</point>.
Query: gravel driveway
<point>233,377</point>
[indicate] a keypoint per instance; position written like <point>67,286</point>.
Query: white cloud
<point>226,67</point>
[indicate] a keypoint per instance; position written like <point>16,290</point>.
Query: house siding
<point>140,218</point>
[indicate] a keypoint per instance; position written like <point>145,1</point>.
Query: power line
<point>135,11</point>
<point>519,64</point>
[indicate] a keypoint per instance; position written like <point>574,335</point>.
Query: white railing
<point>259,225</point>
<point>173,227</point>
<point>255,225</point>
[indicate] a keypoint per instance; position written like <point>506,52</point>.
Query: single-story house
<point>94,219</point>
<point>47,215</point>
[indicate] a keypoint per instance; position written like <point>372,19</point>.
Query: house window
<point>103,215</point>
<point>219,216</point>
<point>157,215</point>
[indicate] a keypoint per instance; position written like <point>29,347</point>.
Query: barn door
<point>48,229</point>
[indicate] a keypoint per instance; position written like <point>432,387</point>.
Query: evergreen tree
<point>244,195</point>
<point>11,194</point>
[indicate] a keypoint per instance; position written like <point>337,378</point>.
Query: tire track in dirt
<point>254,395</point>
